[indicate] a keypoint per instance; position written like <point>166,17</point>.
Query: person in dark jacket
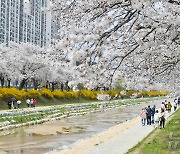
<point>179,101</point>
<point>149,113</point>
<point>9,105</point>
<point>153,110</point>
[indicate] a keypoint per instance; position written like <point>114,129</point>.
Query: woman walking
<point>169,106</point>
<point>143,116</point>
<point>34,103</point>
<point>162,118</point>
<point>156,119</point>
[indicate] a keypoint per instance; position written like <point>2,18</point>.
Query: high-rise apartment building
<point>25,21</point>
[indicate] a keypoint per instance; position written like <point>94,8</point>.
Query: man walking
<point>149,113</point>
<point>153,110</point>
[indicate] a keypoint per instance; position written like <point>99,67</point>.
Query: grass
<point>161,141</point>
<point>42,101</point>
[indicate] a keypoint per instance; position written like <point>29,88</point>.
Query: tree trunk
<point>9,83</point>
<point>53,85</point>
<point>67,87</point>
<point>16,84</point>
<point>47,84</point>
<point>21,86</point>
<point>26,86</point>
<point>35,83</point>
<point>2,82</point>
<point>62,86</point>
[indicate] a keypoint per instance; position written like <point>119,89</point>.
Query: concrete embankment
<point>24,117</point>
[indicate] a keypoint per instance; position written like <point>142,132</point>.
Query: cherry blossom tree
<point>22,62</point>
<point>3,63</point>
<point>100,42</point>
<point>133,39</point>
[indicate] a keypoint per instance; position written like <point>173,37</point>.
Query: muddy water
<point>55,135</point>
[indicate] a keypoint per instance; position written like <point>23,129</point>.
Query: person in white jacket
<point>156,119</point>
<point>18,104</point>
<point>28,102</point>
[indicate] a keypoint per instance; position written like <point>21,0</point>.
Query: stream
<point>56,135</point>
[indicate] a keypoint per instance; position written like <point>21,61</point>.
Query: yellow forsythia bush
<point>8,93</point>
<point>89,94</point>
<point>139,94</point>
<point>58,94</point>
<point>130,92</point>
<point>144,93</point>
<point>70,94</point>
<point>73,94</point>
<point>64,94</point>
<point>1,96</point>
<point>33,94</point>
<point>154,93</point>
<point>163,93</point>
<point>46,93</point>
<point>112,93</point>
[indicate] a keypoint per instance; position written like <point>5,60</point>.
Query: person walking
<point>28,102</point>
<point>175,104</point>
<point>169,106</point>
<point>166,105</point>
<point>143,116</point>
<point>156,119</point>
<point>34,103</point>
<point>12,104</point>
<point>162,118</point>
<point>178,102</point>
<point>163,106</point>
<point>153,110</point>
<point>18,104</point>
<point>149,113</point>
<point>31,102</point>
<point>9,105</point>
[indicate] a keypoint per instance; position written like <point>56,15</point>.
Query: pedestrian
<point>28,102</point>
<point>9,105</point>
<point>162,118</point>
<point>12,105</point>
<point>162,106</point>
<point>156,119</point>
<point>34,103</point>
<point>175,105</point>
<point>169,106</point>
<point>18,104</point>
<point>153,110</point>
<point>143,116</point>
<point>178,101</point>
<point>149,113</point>
<point>31,102</point>
<point>166,104</point>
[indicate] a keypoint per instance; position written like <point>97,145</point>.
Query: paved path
<point>121,143</point>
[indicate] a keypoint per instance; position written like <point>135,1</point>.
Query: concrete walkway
<point>121,143</point>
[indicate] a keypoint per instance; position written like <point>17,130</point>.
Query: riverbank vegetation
<point>161,141</point>
<point>47,97</point>
<point>30,116</point>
